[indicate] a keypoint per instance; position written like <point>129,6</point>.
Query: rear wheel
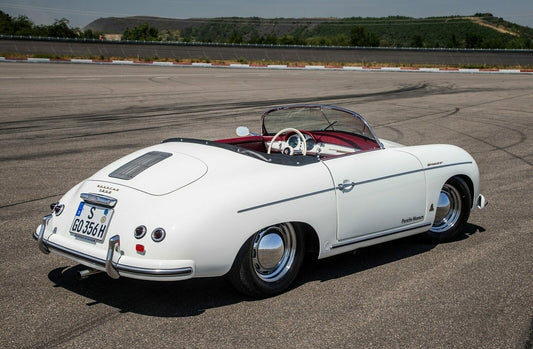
<point>453,210</point>
<point>269,261</point>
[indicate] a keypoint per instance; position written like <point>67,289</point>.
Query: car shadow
<point>193,297</point>
<point>373,256</point>
<point>152,298</point>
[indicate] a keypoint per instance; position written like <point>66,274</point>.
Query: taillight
<point>158,234</point>
<point>140,231</point>
<point>57,208</point>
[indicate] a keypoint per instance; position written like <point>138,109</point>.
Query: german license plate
<point>91,221</point>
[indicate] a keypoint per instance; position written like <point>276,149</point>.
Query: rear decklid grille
<point>138,165</point>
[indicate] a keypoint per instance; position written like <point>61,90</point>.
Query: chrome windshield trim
<point>321,107</point>
<point>98,199</point>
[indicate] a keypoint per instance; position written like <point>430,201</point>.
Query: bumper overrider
<point>112,269</point>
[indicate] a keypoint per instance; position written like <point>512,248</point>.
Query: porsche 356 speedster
<point>315,180</point>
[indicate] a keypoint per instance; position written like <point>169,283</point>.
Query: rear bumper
<point>185,270</point>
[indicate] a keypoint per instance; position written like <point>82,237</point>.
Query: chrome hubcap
<point>273,252</point>
<point>448,209</point>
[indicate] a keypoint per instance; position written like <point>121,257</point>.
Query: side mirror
<point>242,131</point>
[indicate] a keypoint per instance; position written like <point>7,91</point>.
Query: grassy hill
<point>477,31</point>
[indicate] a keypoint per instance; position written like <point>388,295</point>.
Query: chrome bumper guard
<point>40,241</point>
<point>110,269</point>
<point>481,202</point>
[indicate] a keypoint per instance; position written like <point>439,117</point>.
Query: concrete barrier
<point>267,53</point>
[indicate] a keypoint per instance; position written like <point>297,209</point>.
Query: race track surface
<point>61,123</point>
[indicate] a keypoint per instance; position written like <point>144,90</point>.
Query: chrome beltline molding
<point>410,172</point>
<point>353,184</point>
<point>285,200</point>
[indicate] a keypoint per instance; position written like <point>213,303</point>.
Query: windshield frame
<point>358,120</point>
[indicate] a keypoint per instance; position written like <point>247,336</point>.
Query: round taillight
<point>58,209</point>
<point>158,234</point>
<point>140,231</point>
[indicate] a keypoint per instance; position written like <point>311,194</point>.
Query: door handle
<point>345,185</point>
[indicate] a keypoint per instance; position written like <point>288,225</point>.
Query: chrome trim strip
<point>98,199</point>
<point>448,165</point>
<point>350,184</point>
<point>126,268</point>
<point>157,272</point>
<point>285,200</point>
<point>373,236</point>
<point>413,171</point>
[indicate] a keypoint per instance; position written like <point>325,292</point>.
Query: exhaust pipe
<point>85,273</point>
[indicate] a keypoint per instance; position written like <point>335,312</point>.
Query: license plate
<point>91,221</point>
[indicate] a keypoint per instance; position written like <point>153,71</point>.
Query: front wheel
<point>453,210</point>
<point>269,261</point>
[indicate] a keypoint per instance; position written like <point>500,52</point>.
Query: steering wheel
<point>289,129</point>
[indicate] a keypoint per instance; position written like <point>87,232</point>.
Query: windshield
<point>316,118</point>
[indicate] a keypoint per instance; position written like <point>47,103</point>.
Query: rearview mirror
<point>242,131</point>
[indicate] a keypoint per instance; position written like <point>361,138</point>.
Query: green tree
<point>473,40</point>
<point>143,32</point>
<point>15,26</point>
<point>359,36</point>
<point>236,37</point>
<point>89,34</point>
<point>61,29</point>
<point>417,41</point>
<point>453,43</point>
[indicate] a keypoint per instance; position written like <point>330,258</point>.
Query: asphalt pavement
<point>60,123</point>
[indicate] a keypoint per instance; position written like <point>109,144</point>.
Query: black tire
<point>453,210</point>
<point>269,261</point>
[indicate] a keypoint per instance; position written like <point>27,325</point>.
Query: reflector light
<point>158,234</point>
<point>139,248</point>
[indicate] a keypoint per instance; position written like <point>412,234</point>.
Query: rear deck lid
<point>154,172</point>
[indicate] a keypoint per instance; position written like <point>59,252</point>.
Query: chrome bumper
<point>112,269</point>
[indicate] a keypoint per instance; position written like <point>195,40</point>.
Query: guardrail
<point>267,53</point>
<point>217,44</point>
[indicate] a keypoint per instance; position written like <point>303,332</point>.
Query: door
<point>377,191</point>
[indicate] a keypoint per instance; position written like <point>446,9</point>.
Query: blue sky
<point>82,12</point>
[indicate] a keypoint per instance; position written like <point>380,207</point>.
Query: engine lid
<point>154,172</point>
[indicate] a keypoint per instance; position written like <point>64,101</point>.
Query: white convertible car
<point>317,179</point>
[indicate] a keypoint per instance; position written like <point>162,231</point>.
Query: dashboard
<point>293,146</point>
